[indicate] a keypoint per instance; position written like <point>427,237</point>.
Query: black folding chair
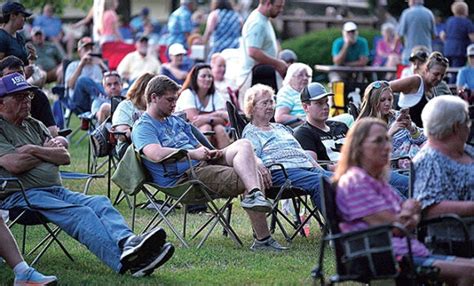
<point>30,216</point>
<point>286,191</point>
<point>365,255</point>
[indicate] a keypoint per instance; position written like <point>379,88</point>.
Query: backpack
<point>100,139</point>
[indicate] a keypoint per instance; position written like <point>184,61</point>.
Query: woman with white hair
<point>444,167</point>
<point>388,51</point>
<point>288,102</point>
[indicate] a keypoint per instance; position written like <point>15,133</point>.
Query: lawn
<point>219,261</point>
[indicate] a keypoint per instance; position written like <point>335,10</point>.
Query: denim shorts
<point>430,259</point>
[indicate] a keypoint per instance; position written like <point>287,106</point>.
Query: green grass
<point>218,262</point>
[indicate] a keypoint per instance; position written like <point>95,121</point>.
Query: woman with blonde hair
<point>407,138</point>
<point>365,199</point>
<point>416,90</point>
<point>129,110</point>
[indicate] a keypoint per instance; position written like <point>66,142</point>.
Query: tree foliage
<point>59,5</point>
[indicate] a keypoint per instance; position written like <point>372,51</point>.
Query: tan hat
<point>84,41</point>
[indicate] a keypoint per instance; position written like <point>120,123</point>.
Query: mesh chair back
<point>237,121</point>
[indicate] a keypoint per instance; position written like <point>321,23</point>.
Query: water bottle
<point>306,226</point>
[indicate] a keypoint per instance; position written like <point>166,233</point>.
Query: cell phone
<point>404,110</point>
<point>97,55</point>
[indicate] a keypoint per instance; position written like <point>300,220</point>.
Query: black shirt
<point>41,109</point>
<point>321,142</point>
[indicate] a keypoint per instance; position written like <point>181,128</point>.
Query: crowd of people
<point>413,117</point>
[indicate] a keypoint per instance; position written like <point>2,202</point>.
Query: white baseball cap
<point>176,49</point>
<point>349,26</point>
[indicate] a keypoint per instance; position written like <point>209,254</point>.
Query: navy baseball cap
<point>13,83</point>
<point>15,7</point>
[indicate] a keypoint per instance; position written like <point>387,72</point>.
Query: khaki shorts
<point>220,179</point>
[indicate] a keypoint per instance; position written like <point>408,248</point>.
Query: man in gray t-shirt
<point>259,41</point>
<point>417,27</point>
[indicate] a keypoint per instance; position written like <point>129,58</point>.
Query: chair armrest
<point>176,155</point>
<point>281,167</point>
<point>446,218</point>
<point>5,181</point>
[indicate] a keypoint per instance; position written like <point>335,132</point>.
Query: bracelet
<point>416,134</point>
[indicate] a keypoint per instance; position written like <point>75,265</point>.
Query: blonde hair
<point>460,9</point>
<point>371,100</point>
<point>252,94</point>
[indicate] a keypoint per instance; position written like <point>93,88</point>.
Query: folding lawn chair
<point>192,191</point>
<point>30,216</point>
<point>366,255</point>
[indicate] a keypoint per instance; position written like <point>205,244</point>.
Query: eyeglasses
<point>420,55</point>
<point>19,97</point>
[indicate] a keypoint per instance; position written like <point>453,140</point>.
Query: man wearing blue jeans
<point>28,151</point>
<point>83,77</point>
<point>325,137</point>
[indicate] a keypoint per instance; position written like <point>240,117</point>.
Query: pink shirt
<point>360,195</point>
<point>109,22</point>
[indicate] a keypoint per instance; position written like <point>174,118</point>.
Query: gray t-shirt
<point>33,132</point>
<point>417,26</point>
<point>257,32</point>
<point>439,178</point>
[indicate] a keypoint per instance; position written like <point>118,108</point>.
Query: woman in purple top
<point>364,198</point>
<point>458,35</point>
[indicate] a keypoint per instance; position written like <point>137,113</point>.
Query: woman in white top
<point>416,90</point>
<point>203,106</point>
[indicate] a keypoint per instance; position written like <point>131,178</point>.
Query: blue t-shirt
<point>354,52</point>
<point>466,77</point>
<point>51,26</point>
<point>173,132</point>
<point>12,46</point>
<point>179,23</point>
<point>457,36</point>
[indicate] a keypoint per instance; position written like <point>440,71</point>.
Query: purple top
<point>360,195</point>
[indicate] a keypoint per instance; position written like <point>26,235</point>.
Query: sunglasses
<point>441,59</point>
<point>111,73</point>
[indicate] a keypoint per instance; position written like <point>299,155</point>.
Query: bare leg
<point>8,247</point>
<point>458,272</point>
<point>103,112</point>
<point>221,137</point>
<point>241,157</point>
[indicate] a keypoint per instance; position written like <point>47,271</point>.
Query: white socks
<point>20,268</point>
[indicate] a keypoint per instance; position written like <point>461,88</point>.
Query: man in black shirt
<point>317,134</point>
<point>325,137</point>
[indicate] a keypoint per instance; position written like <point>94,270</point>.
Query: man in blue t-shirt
<point>349,50</point>
<point>465,78</point>
<point>229,172</point>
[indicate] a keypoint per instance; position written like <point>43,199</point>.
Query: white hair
<point>441,113</point>
<point>387,26</point>
<point>294,69</point>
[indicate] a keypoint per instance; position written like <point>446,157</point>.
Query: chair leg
<point>163,217</point>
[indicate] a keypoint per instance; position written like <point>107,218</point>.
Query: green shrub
<point>315,48</point>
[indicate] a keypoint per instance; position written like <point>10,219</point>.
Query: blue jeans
<point>400,183</point>
<point>89,219</point>
<point>85,91</point>
<point>305,178</point>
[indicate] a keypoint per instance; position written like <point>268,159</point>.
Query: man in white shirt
<point>138,62</point>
